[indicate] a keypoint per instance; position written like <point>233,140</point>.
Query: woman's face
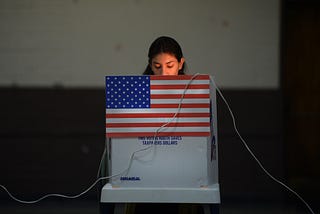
<point>166,64</point>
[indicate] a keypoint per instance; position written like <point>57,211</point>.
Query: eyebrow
<point>165,63</point>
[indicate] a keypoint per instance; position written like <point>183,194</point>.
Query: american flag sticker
<point>137,106</point>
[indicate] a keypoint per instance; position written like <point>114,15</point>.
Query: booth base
<point>203,195</point>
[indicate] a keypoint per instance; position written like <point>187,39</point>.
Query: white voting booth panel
<point>176,169</point>
<point>164,169</point>
<point>172,162</point>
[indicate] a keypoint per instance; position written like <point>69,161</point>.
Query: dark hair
<point>164,44</point>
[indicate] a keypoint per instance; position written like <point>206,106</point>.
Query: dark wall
<point>52,141</point>
<point>259,119</point>
<point>301,90</point>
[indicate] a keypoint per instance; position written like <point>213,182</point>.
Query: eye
<point>156,65</point>
<point>170,65</point>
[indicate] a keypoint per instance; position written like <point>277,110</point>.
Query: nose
<point>165,71</point>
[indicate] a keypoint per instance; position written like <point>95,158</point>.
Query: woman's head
<point>165,57</point>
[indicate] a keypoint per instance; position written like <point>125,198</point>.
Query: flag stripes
<point>139,106</point>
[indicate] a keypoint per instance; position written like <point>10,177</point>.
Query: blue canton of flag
<point>127,92</point>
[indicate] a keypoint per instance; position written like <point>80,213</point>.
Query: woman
<point>165,58</point>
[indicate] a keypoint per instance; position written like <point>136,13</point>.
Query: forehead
<point>164,57</point>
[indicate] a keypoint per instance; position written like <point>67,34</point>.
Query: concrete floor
<point>92,207</point>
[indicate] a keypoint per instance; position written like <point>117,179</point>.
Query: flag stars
<point>127,91</point>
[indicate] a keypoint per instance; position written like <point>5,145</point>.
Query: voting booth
<point>162,144</point>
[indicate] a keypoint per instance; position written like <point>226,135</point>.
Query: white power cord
<point>252,154</point>
<point>148,147</point>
